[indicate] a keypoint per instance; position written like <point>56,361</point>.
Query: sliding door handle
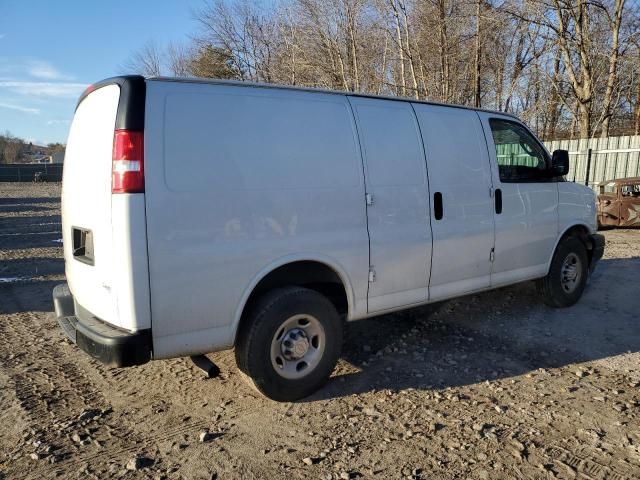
<point>498,196</point>
<point>438,210</point>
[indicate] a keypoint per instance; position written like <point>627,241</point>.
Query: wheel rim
<point>571,273</point>
<point>297,346</point>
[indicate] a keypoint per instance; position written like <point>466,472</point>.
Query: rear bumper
<point>597,241</point>
<point>113,346</point>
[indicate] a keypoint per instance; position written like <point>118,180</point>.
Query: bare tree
<point>179,59</point>
<point>146,61</point>
<point>615,21</point>
<point>565,66</point>
<point>12,147</point>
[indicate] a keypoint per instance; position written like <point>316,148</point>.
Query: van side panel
<point>237,179</point>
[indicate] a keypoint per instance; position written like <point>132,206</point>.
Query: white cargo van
<point>204,215</point>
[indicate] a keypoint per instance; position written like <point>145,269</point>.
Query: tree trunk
<point>516,71</point>
<point>500,88</point>
<point>423,79</point>
<point>476,86</point>
<point>412,69</point>
<point>403,84</point>
<point>444,53</point>
<point>613,67</point>
<point>574,122</point>
<point>354,51</point>
<point>637,126</point>
<point>343,75</point>
<point>383,71</point>
<point>293,56</point>
<point>585,119</point>
<point>553,114</point>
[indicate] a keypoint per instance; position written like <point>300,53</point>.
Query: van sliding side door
<point>462,204</point>
<point>397,197</point>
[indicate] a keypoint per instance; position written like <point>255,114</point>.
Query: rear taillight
<point>127,168</point>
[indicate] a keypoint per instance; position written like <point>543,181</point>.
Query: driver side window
<point>520,157</point>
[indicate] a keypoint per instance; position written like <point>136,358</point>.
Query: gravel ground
<point>488,386</point>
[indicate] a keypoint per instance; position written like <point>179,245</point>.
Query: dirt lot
<point>488,386</point>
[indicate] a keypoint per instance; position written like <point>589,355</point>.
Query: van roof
<point>238,83</point>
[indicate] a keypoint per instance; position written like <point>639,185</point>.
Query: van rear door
<point>104,234</point>
<point>86,202</point>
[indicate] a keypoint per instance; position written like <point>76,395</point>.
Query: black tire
<point>554,292</point>
<point>253,348</point>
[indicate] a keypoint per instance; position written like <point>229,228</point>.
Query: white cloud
<point>44,70</point>
<point>32,68</point>
<point>20,108</point>
<point>44,89</point>
<point>58,122</point>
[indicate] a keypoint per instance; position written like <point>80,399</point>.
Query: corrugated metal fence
<point>597,159</point>
<point>18,172</point>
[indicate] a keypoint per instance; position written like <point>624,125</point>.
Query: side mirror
<point>559,163</point>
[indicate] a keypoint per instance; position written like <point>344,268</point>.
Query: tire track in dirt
<point>586,466</point>
<point>50,389</point>
<point>53,392</point>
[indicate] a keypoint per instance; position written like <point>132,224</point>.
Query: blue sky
<point>51,50</point>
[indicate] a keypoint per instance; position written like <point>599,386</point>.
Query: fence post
<point>586,180</point>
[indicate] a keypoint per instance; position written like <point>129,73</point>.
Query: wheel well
<point>309,274</point>
<point>581,232</point>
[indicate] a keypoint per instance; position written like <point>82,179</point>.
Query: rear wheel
<point>567,277</point>
<point>289,343</point>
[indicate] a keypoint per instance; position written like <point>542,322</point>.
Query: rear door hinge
<point>372,275</point>
<point>492,255</point>
<point>369,198</point>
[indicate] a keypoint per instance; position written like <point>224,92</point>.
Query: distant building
<point>33,158</point>
<point>57,157</point>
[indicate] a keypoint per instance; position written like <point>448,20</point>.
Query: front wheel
<point>567,277</point>
<point>289,343</point>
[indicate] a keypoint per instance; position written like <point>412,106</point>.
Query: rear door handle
<point>498,199</point>
<point>438,210</point>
